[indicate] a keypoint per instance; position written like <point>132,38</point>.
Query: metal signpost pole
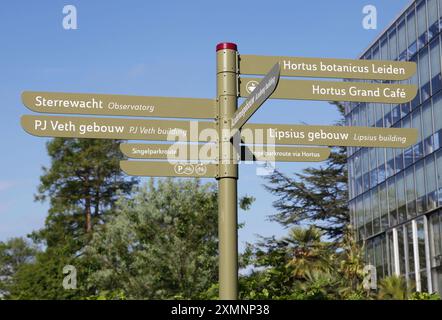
<point>227,77</point>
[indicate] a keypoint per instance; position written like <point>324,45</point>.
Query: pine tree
<point>83,182</point>
<point>317,196</point>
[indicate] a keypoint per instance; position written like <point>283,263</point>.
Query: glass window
<point>410,192</point>
<point>376,54</point>
<point>392,206</point>
<point>437,110</point>
<point>432,18</point>
<point>402,40</point>
<point>436,231</point>
<point>370,253</point>
<point>410,252</point>
<point>439,175</point>
<point>364,157</point>
<point>421,201</point>
<point>353,219</point>
<point>424,71</point>
<point>390,162</point>
<point>383,201</point>
<point>378,257</point>
<point>384,49</point>
<point>357,163</point>
<point>427,128</point>
<point>416,123</point>
<point>421,242</point>
<point>418,149</point>
<point>395,113</point>
<point>393,44</point>
<point>360,214</point>
<point>408,153</point>
<point>379,114</point>
<point>411,32</point>
<point>387,115</point>
<point>415,80</point>
<point>435,57</point>
<point>375,210</point>
<point>427,117</point>
<point>401,247</point>
<point>421,24</point>
<point>381,164</point>
<point>399,161</point>
<point>390,253</point>
<point>368,215</point>
<point>401,200</point>
<point>430,179</point>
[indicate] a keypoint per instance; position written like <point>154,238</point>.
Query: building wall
<point>396,194</point>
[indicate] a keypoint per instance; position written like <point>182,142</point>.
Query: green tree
<point>308,253</point>
<point>317,196</point>
<point>161,244</point>
<point>43,278</point>
<point>14,254</point>
<point>82,183</point>
<point>393,288</point>
<point>280,266</point>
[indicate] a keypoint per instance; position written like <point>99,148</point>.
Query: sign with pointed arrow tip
<point>259,95</point>
<point>328,67</point>
<point>284,134</point>
<point>335,91</point>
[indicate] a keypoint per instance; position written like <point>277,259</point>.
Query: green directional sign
<point>261,93</point>
<point>335,91</point>
<point>166,169</point>
<point>328,67</point>
<point>119,105</point>
<point>284,154</point>
<point>328,135</point>
<point>177,151</point>
<point>110,128</point>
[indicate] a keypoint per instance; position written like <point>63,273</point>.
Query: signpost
<point>256,98</point>
<point>328,68</point>
<point>119,105</point>
<point>218,158</point>
<point>280,134</point>
<point>335,91</point>
<point>110,128</point>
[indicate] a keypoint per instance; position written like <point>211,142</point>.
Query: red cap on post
<point>226,45</point>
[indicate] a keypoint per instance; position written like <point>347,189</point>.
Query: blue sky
<point>161,48</point>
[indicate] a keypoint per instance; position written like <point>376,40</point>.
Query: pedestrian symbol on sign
<point>251,85</point>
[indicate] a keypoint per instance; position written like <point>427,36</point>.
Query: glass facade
<point>396,194</point>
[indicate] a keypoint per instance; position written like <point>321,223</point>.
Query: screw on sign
<point>224,165</point>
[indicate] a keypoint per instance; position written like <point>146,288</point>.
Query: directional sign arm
<point>336,91</point>
<point>328,67</point>
<point>259,95</point>
<point>116,128</point>
<point>119,105</point>
<point>283,134</point>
